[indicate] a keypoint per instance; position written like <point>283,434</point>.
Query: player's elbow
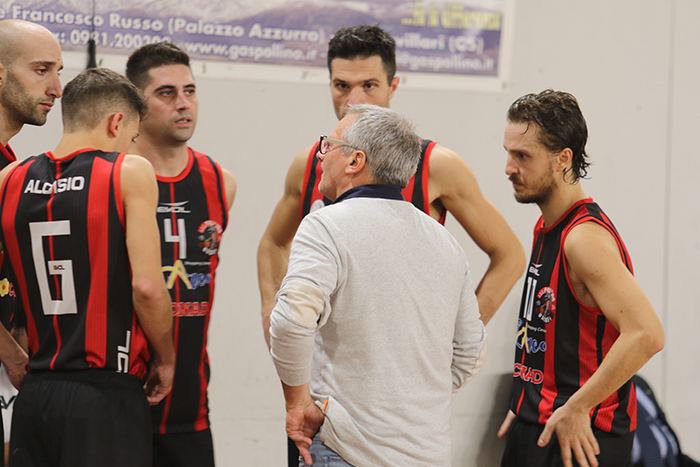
<point>657,340</point>
<point>511,256</point>
<point>652,340</point>
<point>519,260</point>
<point>149,291</point>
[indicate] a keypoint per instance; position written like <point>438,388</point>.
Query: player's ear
<point>393,85</point>
<point>115,122</point>
<point>564,159</point>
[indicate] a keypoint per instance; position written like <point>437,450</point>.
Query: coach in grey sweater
<point>376,322</point>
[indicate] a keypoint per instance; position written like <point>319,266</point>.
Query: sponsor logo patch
<point>209,237</point>
<point>545,304</point>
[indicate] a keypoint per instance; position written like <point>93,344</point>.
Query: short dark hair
<point>153,56</point>
<point>364,41</point>
<point>94,93</point>
<point>561,123</point>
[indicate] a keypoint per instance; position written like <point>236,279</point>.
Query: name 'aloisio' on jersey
<point>63,230</point>
<point>192,216</point>
<point>561,342</point>
<point>416,191</point>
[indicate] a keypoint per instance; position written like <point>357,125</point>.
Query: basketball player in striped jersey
<point>30,60</point>
<point>585,325</point>
<point>79,232</point>
<point>195,194</point>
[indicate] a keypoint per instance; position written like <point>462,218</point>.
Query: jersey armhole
<point>565,234</point>
<point>307,174</point>
<point>117,184</point>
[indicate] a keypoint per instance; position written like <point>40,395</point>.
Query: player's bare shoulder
<point>592,259</point>
<point>449,175</point>
<point>137,175</point>
<point>230,187</point>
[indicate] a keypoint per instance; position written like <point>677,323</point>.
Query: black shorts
<point>183,449</point>
<point>83,418</point>
<point>522,449</point>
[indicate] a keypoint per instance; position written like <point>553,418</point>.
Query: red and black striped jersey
<point>63,229</point>
<point>415,192</point>
<point>192,216</point>
<point>8,156</point>
<point>562,342</point>
<point>7,289</point>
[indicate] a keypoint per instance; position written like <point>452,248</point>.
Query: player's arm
<point>229,187</point>
<point>601,279</point>
<point>151,299</point>
<point>12,355</point>
<point>273,252</point>
<point>455,185</point>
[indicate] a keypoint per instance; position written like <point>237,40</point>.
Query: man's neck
<point>72,142</point>
<point>7,129</point>
<point>560,201</point>
<point>167,161</point>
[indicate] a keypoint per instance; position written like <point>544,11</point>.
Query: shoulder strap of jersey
<point>417,189</point>
<point>8,156</point>
<point>591,212</point>
<point>310,181</point>
<point>117,184</point>
<point>211,173</point>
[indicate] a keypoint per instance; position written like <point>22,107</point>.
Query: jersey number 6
<point>67,304</point>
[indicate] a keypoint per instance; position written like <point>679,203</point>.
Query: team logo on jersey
<point>191,280</point>
<point>188,309</point>
<point>209,237</point>
<point>177,208</point>
<point>6,288</point>
<point>527,374</point>
<point>545,304</point>
<point>530,344</point>
<point>316,205</point>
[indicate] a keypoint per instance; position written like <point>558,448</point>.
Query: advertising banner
<point>456,38</point>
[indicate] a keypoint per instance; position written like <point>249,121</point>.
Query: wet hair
<point>153,56</point>
<point>363,42</point>
<point>93,94</point>
<point>388,139</point>
<point>561,124</point>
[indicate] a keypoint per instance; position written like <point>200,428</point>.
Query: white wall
<point>633,68</point>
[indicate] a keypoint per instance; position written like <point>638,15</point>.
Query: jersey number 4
<point>64,268</point>
<point>180,238</point>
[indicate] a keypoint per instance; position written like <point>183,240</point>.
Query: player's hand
<point>303,423</point>
<point>160,381</point>
<point>573,429</point>
<point>505,426</point>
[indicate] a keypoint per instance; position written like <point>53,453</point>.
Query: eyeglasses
<point>324,144</point>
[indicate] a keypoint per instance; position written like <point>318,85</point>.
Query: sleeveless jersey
<point>63,227</point>
<point>8,304</point>
<point>415,192</point>
<point>192,215</point>
<point>561,342</point>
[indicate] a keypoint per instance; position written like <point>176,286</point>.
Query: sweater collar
<point>372,191</point>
